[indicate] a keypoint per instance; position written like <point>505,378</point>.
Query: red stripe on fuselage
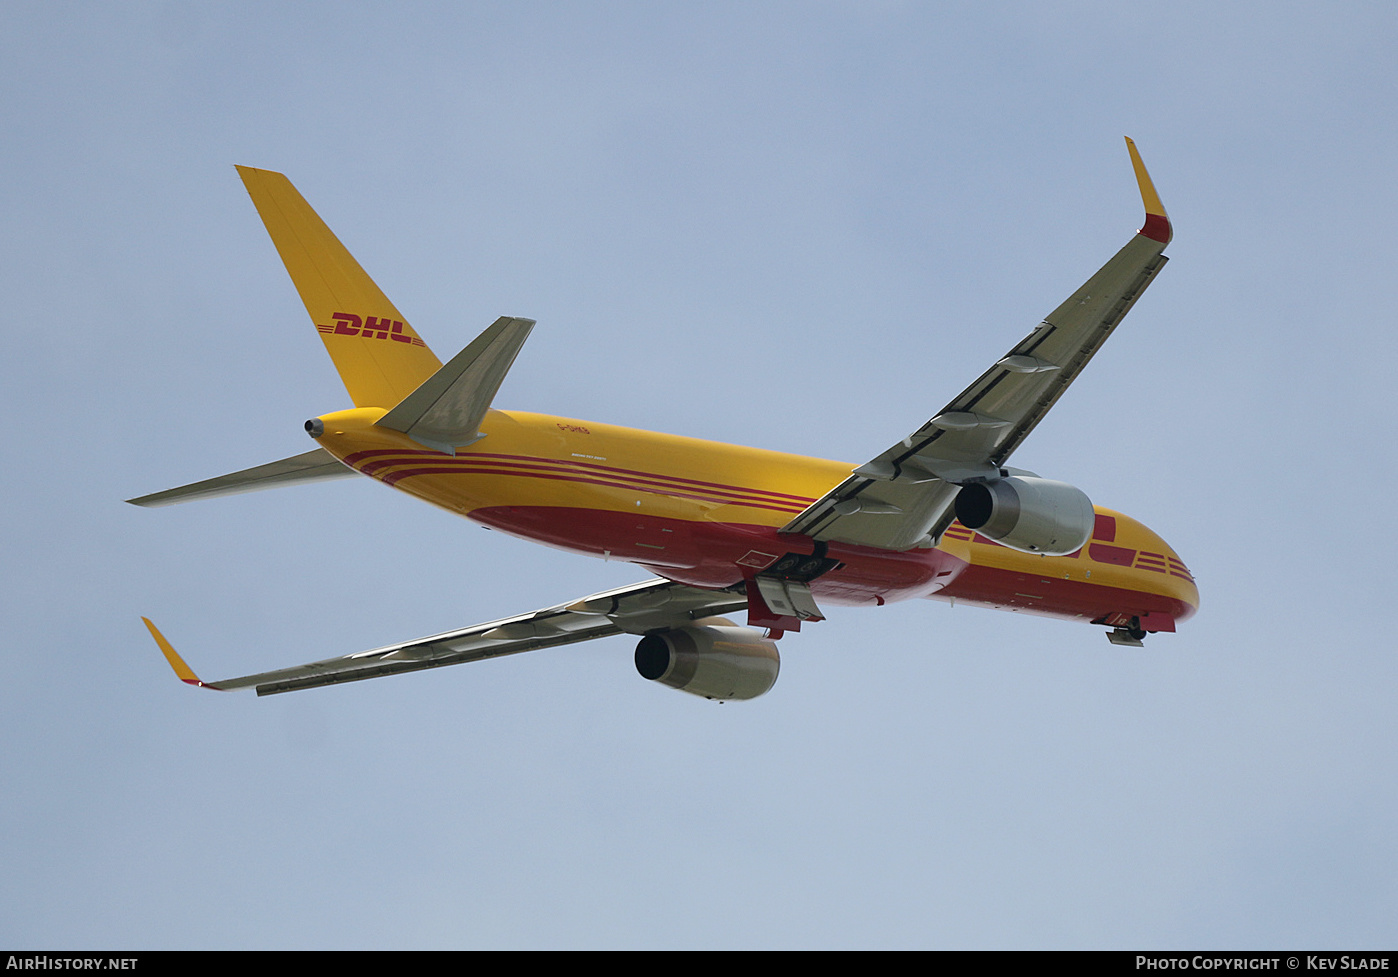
<point>1076,599</point>
<point>378,464</point>
<point>704,554</point>
<point>558,475</point>
<point>708,554</point>
<point>407,456</point>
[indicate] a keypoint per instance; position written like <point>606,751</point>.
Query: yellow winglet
<point>185,673</point>
<point>1157,226</point>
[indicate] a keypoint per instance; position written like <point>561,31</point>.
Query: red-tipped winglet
<point>185,673</point>
<point>1157,225</point>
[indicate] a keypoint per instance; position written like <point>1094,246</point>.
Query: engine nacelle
<point>1029,514</point>
<point>714,658</point>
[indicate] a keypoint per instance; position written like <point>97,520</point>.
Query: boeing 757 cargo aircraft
<point>727,530</point>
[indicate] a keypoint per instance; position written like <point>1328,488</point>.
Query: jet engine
<point>1028,513</point>
<point>713,657</point>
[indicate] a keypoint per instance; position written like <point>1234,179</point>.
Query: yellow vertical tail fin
<point>380,358</point>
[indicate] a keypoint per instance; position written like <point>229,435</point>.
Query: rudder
<point>380,358</point>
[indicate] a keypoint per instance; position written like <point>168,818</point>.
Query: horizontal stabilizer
<point>445,412</point>
<point>313,466</point>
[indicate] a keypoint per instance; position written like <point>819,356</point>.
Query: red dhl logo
<point>370,327</point>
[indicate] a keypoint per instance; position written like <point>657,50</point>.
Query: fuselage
<point>708,514</point>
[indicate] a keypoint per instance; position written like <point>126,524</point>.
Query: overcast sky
<point>798,226</point>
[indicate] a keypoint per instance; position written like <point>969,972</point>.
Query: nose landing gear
<point>1129,636</point>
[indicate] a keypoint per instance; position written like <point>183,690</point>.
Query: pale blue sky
<point>799,226</point>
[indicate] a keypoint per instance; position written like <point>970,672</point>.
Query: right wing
<point>905,496</point>
<point>636,609</point>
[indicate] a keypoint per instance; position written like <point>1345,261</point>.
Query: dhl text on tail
<point>727,530</point>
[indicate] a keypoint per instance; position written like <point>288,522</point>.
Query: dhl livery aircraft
<point>727,530</point>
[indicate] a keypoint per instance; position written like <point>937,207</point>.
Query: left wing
<point>905,496</point>
<point>637,609</point>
